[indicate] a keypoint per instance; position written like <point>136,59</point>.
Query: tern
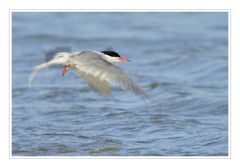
<point>96,68</point>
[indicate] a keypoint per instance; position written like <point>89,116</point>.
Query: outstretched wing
<point>100,73</point>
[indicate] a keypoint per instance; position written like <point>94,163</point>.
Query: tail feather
<point>59,59</point>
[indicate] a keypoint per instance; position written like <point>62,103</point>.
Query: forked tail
<point>59,59</point>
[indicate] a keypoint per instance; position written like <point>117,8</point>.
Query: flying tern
<point>96,68</point>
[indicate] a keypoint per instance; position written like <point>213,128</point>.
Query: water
<point>180,60</point>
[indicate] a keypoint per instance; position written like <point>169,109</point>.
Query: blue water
<point>179,59</point>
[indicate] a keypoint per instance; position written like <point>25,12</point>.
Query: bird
<point>96,68</point>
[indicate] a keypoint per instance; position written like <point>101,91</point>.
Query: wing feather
<point>103,72</point>
<point>97,85</point>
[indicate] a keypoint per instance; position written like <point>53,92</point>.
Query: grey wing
<point>101,87</point>
<point>103,73</point>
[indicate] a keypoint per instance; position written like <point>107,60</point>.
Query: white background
<point>234,84</point>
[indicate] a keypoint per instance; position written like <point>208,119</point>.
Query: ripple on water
<point>184,70</point>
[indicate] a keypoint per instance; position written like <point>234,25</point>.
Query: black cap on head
<point>111,53</point>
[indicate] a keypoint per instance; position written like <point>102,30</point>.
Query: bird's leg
<point>65,69</point>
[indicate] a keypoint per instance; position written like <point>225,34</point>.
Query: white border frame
<point>121,157</point>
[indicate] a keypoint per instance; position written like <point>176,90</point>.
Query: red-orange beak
<point>123,59</point>
<point>65,69</point>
